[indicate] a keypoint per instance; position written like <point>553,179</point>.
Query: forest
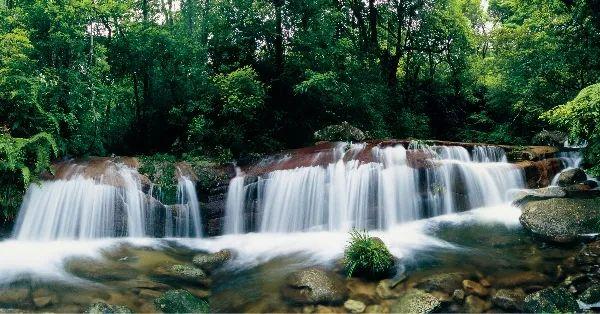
<point>234,79</point>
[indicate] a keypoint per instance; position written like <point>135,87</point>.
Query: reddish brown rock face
<point>539,174</point>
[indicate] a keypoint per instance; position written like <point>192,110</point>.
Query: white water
<point>374,195</point>
<point>570,160</point>
<point>187,222</point>
<point>112,205</point>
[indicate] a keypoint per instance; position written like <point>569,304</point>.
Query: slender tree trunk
<point>278,38</point>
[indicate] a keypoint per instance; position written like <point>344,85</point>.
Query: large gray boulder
<point>571,176</point>
<point>562,219</point>
<point>315,286</point>
<point>416,301</point>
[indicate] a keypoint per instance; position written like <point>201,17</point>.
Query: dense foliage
<point>232,78</point>
<point>581,116</point>
<point>367,256</point>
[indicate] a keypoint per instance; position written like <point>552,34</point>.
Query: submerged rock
<point>209,262</point>
<point>181,301</point>
<point>447,282</point>
<point>354,306</point>
<point>99,270</point>
<point>416,301</point>
<point>509,300</point>
<point>182,272</point>
<point>571,176</point>
<point>472,287</point>
<point>474,304</point>
<point>524,278</point>
<point>14,296</point>
<point>562,219</point>
<point>315,286</point>
<point>551,300</point>
<point>103,308</point>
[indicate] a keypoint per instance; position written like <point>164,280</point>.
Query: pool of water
<point>67,276</point>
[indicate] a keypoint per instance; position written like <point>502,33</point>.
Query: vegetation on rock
<point>367,256</point>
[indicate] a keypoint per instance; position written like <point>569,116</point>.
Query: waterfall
<point>83,207</point>
<point>390,188</point>
<point>183,219</point>
<point>570,159</point>
<point>104,199</point>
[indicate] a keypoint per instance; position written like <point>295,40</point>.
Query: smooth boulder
<point>571,176</point>
<point>562,219</point>
<point>181,301</point>
<point>315,286</point>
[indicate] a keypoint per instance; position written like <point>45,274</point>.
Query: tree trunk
<point>278,38</point>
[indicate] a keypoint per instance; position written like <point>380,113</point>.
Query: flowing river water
<point>70,249</point>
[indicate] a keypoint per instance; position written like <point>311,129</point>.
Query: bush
<point>367,256</point>
<point>340,132</point>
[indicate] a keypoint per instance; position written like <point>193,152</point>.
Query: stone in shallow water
<point>209,262</point>
<point>551,300</point>
<point>384,290</point>
<point>472,287</point>
<point>354,306</point>
<point>447,282</point>
<point>509,300</point>
<point>182,272</point>
<point>315,286</point>
<point>416,301</point>
<point>14,296</point>
<point>474,304</point>
<point>180,301</point>
<point>99,270</point>
<point>103,308</point>
<point>562,219</point>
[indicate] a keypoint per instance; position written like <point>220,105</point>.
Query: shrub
<point>340,132</point>
<point>367,256</point>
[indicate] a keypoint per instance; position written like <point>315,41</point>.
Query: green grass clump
<point>367,256</point>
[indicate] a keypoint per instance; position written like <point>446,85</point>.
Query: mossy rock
<point>551,300</point>
<point>103,308</point>
<point>591,295</point>
<point>416,301</point>
<point>181,301</point>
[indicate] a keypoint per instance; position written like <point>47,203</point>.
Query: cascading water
<point>102,201</point>
<point>185,222</point>
<point>378,194</point>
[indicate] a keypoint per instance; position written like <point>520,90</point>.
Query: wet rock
<point>591,183</point>
<point>571,176</point>
<point>354,306</point>
<point>44,297</point>
<point>182,272</point>
<point>14,296</point>
<point>416,301</point>
<point>98,270</point>
<point>524,196</point>
<point>209,262</point>
<point>561,219</point>
<point>526,278</point>
<point>458,295</point>
<point>376,308</point>
<point>149,294</point>
<point>474,304</point>
<point>308,309</point>
<point>509,300</point>
<point>329,309</point>
<point>103,308</point>
<point>591,295</point>
<point>384,290</point>
<point>551,300</point>
<point>315,286</point>
<point>472,287</point>
<point>447,282</point>
<point>180,301</point>
<point>588,258</point>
